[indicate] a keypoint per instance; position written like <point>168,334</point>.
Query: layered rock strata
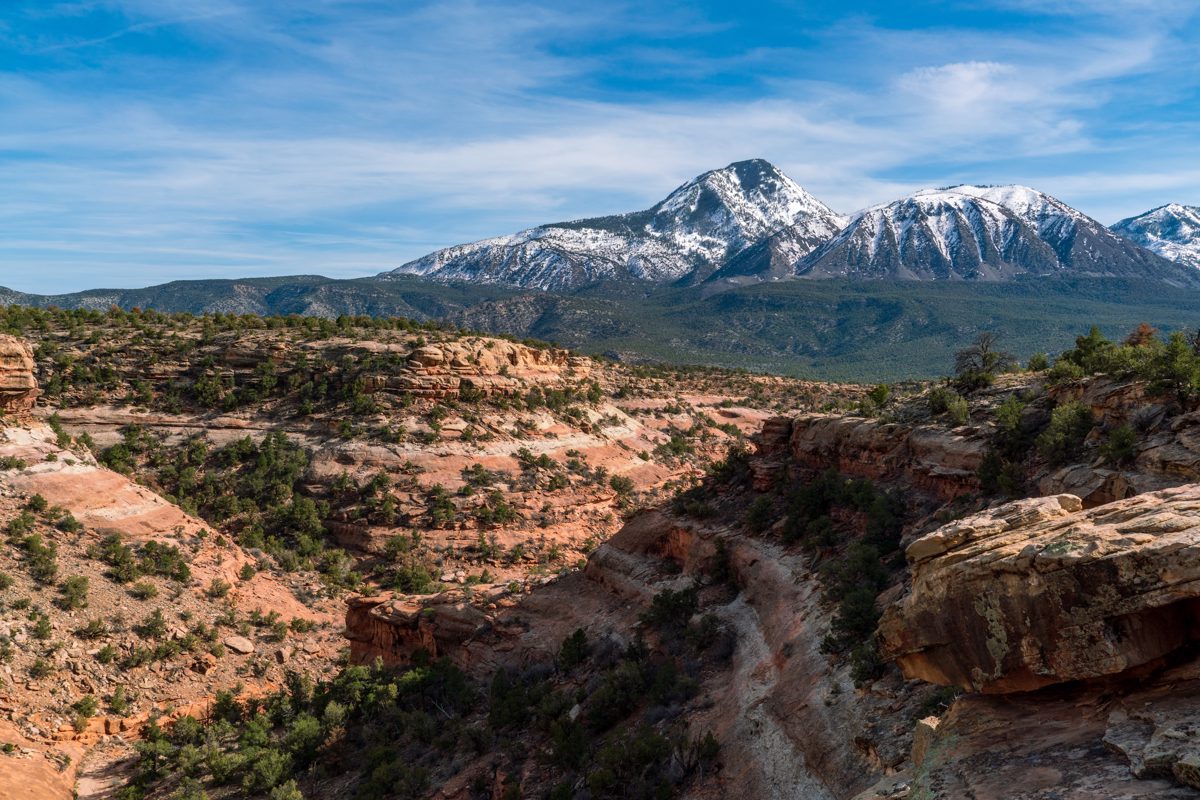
<point>929,458</point>
<point>18,387</point>
<point>1039,592</point>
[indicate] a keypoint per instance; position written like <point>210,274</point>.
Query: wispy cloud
<point>166,139</point>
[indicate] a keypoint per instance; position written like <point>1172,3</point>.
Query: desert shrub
<point>40,559</point>
<point>671,609</point>
<point>94,629</point>
<point>998,475</point>
<point>958,411</point>
<point>574,650</point>
<point>1092,353</point>
<point>73,593</point>
<point>944,400</point>
<point>1063,438</point>
<point>217,589</point>
<point>85,708</point>
<point>976,365</point>
<point>118,703</point>
<point>621,484</point>
<point>1064,371</point>
<point>733,470</point>
<point>1120,447</point>
<point>1174,368</point>
<point>154,626</point>
<point>442,510</point>
<point>68,524</point>
<point>761,514</point>
<point>1001,471</point>
<point>855,620</point>
<point>42,628</point>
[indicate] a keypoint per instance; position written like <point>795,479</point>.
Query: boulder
<point>239,644</point>
<point>1039,592</point>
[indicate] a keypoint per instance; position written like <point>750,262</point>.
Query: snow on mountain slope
<point>981,233</point>
<point>689,234</point>
<point>932,235</point>
<point>1172,231</point>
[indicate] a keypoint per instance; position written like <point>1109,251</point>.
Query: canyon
<point>1005,647</point>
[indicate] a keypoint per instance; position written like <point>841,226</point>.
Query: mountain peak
<point>752,170</point>
<point>1021,200</point>
<point>1172,231</point>
<point>687,235</point>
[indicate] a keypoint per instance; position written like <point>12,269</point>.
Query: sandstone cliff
<point>1095,604</point>
<point>487,366</point>
<point>932,459</point>
<point>18,387</point>
<point>1040,592</point>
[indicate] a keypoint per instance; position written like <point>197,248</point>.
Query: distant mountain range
<point>723,271</point>
<point>750,222</point>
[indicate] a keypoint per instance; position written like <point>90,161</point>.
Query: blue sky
<point>150,140</point>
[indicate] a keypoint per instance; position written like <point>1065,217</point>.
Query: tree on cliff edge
<point>976,365</point>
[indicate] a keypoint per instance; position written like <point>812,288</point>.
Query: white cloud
<point>340,144</point>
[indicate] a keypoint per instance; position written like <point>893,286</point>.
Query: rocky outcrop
<point>18,387</point>
<point>1039,592</point>
<point>928,458</point>
<point>1057,743</point>
<point>394,629</point>
<point>486,366</point>
<point>1159,736</point>
<point>771,460</point>
<point>1165,452</point>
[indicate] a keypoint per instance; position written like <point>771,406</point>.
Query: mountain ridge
<point>838,329</point>
<point>969,232</point>
<point>1171,230</point>
<point>749,222</point>
<point>686,236</point>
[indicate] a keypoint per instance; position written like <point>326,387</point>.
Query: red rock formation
<point>772,453</point>
<point>928,458</point>
<point>1070,742</point>
<point>18,388</point>
<point>1039,592</point>
<point>393,629</point>
<point>487,366</point>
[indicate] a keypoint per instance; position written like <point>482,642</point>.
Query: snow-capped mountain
<point>688,235</point>
<point>978,233</point>
<point>1172,231</point>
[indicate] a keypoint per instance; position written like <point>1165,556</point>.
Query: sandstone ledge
<point>1039,592</point>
